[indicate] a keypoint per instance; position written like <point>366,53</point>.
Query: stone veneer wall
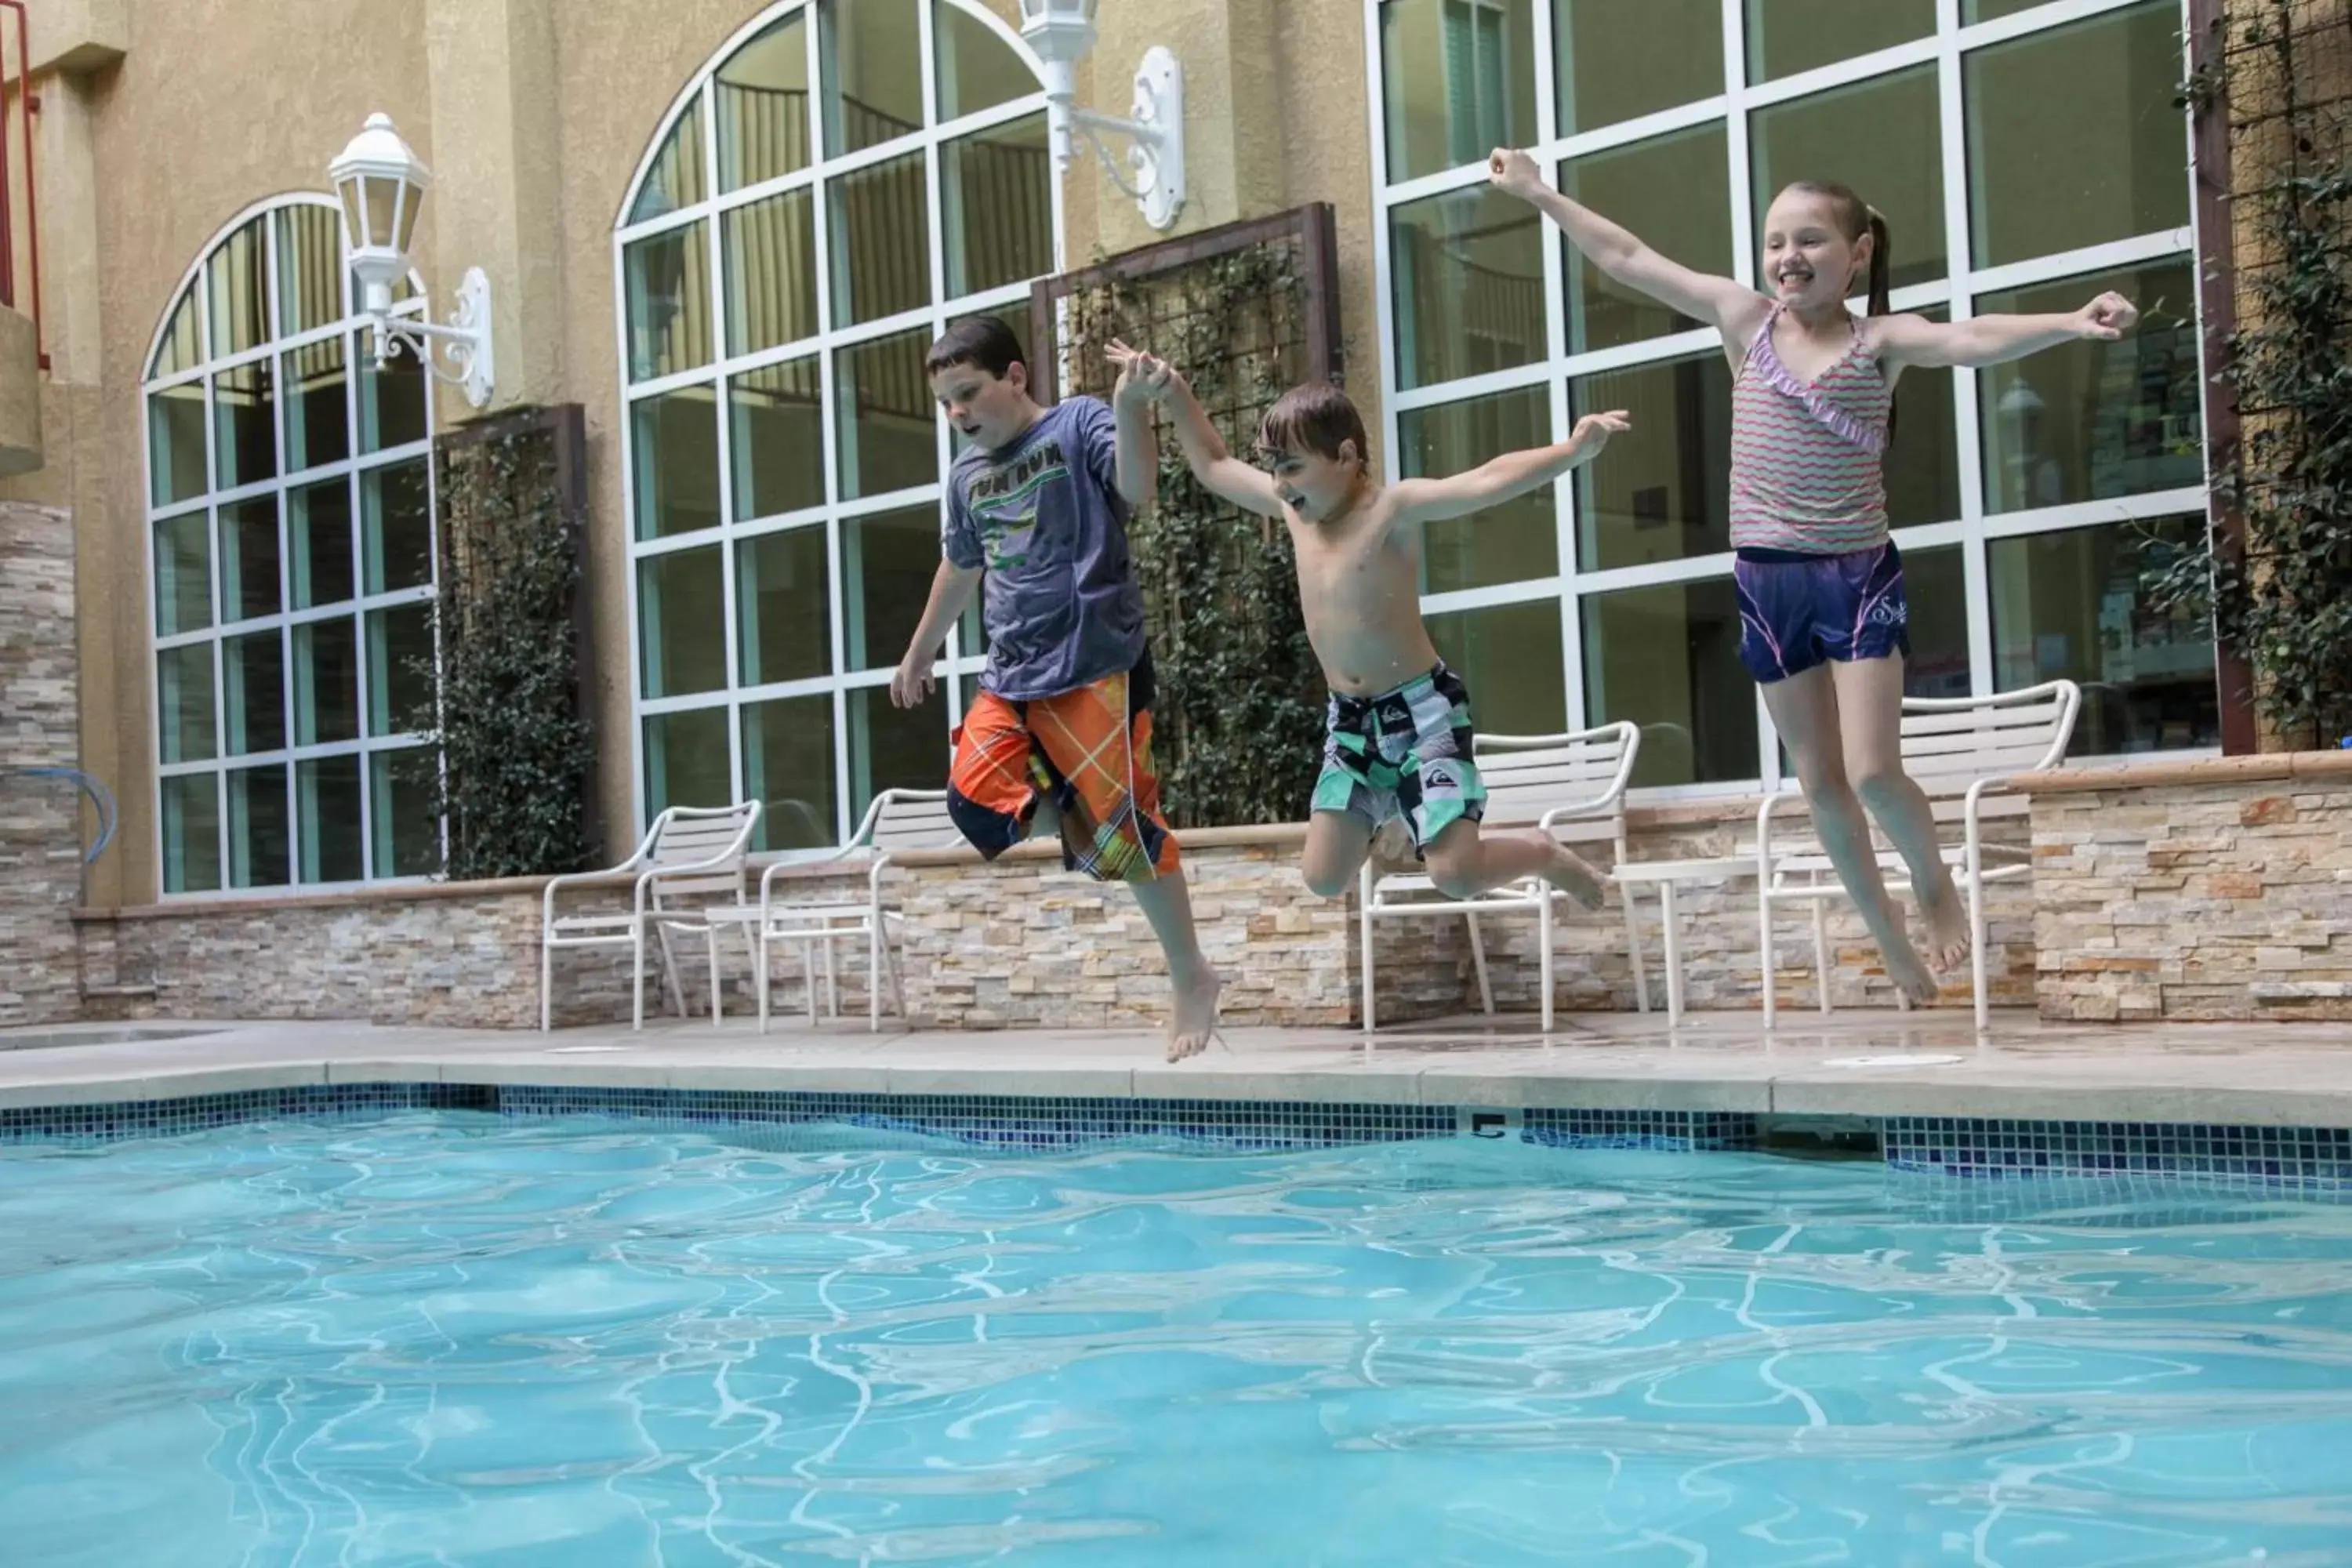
<point>2218,889</point>
<point>1016,944</point>
<point>40,819</point>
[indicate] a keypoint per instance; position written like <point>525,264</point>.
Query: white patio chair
<point>1572,786</point>
<point>1961,751</point>
<point>690,856</point>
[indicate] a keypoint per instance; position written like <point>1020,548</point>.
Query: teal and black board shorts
<point>1404,753</point>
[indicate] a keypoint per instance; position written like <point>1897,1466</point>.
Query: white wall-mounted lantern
<point>382,185</point>
<point>1061,32</point>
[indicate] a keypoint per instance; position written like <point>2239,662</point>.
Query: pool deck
<point>2255,1075</point>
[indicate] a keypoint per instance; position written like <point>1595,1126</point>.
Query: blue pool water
<point>449,1339</point>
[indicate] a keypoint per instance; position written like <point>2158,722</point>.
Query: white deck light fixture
<point>382,185</point>
<point>1061,32</point>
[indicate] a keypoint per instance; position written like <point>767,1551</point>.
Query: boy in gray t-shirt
<point>1038,504</point>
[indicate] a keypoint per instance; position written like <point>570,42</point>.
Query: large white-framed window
<point>836,186</point>
<point>2027,153</point>
<point>290,568</point>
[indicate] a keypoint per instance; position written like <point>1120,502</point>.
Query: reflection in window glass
<point>787,769</point>
<point>996,204</point>
<point>881,243</point>
<point>887,561</point>
<point>895,748</point>
<point>1898,166</point>
<point>2069,605</point>
<point>670,301</point>
<point>1975,11</point>
<point>687,760</point>
<point>253,688</point>
<point>309,269</point>
<point>676,179</point>
<point>259,848</point>
<point>175,443</point>
<point>2102,89</point>
<point>248,557</point>
<point>675,458</point>
<point>882,406</point>
<point>407,835</point>
<point>394,403</point>
<point>245,424</point>
<point>978,69</point>
<point>236,285</point>
<point>397,506</point>
<point>682,621</point>
<point>1459,80</point>
<point>771,272</point>
<point>1934,585</point>
<point>1667,659</point>
<point>184,699</point>
<point>1785,36</point>
<point>192,833</point>
<point>1663,492</point>
<point>326,683</point>
<point>1674,191</point>
<point>182,345</point>
<point>1923,461</point>
<point>318,529</point>
<point>1468,275</point>
<point>778,440</point>
<point>184,573</point>
<point>762,97</point>
<point>1508,656</point>
<point>400,670</point>
<point>1516,539</point>
<point>317,406</point>
<point>1620,62</point>
<point>328,810</point>
<point>873,72</point>
<point>781,584</point>
<point>2091,421</point>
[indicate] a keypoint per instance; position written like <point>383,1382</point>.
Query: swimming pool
<point>450,1337</point>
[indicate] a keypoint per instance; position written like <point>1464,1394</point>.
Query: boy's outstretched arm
<point>952,587</point>
<point>1224,475</point>
<point>1512,474</point>
<point>1997,340</point>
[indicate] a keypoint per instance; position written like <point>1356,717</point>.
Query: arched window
<point>289,527</point>
<point>842,181</point>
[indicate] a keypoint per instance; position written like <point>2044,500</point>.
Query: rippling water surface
<point>442,1339</point>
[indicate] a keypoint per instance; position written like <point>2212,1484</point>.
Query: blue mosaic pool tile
<point>2314,1157</point>
<point>1678,1131</point>
<point>88,1124</point>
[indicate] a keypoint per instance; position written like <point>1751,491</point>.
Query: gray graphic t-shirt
<point>1045,517</point>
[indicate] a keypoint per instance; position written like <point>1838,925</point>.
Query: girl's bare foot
<point>1196,1022</point>
<point>1947,915</point>
<point>1569,871</point>
<point>1909,971</point>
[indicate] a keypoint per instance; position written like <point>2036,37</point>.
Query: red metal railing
<point>27,104</point>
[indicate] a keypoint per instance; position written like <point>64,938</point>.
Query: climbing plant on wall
<point>1245,314</point>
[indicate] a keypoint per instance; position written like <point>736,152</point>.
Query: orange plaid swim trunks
<point>1090,751</point>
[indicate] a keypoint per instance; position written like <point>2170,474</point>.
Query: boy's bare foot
<point>1569,870</point>
<point>1195,1023</point>
<point>1948,926</point>
<point>1909,971</point>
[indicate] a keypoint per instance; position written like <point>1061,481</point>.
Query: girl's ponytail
<point>1882,261</point>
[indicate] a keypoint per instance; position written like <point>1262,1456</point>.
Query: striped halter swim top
<point>1807,458</point>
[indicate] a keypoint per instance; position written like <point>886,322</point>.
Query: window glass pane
<point>248,556</point>
<point>192,825</point>
<point>309,269</point>
<point>1662,491</point>
<point>887,561</point>
<point>1673,191</point>
<point>326,682</point>
<point>1785,36</point>
<point>258,849</point>
<point>1923,462</point>
<point>400,670</point>
<point>685,760</point>
<point>253,687</point>
<point>2088,421</point>
<point>318,410</point>
<point>2069,605</point>
<point>327,796</point>
<point>763,106</point>
<point>895,748</point>
<point>787,619</point>
<point>996,202</point>
<point>978,69</point>
<point>682,622</point>
<point>677,461</point>
<point>873,72</point>
<point>1934,585</point>
<point>319,527</point>
<point>184,573</point>
<point>1505,543</point>
<point>675,181</point>
<point>1898,166</point>
<point>787,769</point>
<point>778,444</point>
<point>1469,285</point>
<point>397,505</point>
<point>244,423</point>
<point>393,402</point>
<point>1458,81</point>
<point>237,282</point>
<point>1508,656</point>
<point>1620,62</point>
<point>1667,659</point>
<point>2102,89</point>
<point>399,797</point>
<point>771,272</point>
<point>1975,11</point>
<point>183,696</point>
<point>670,301</point>
<point>175,443</point>
<point>182,344</point>
<point>884,414</point>
<point>881,241</point>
